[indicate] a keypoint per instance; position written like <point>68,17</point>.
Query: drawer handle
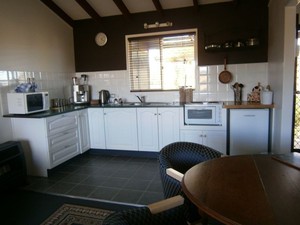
<point>249,115</point>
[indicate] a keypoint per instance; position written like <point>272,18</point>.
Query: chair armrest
<point>166,204</point>
<point>175,174</point>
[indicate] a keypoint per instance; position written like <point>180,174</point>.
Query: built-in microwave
<point>29,102</point>
<point>203,113</point>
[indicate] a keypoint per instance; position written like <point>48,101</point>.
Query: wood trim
<point>58,11</point>
<point>122,7</point>
<point>89,9</point>
<point>166,204</point>
<point>158,6</point>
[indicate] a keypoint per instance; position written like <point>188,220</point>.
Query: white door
<point>215,140</point>
<point>194,136</point>
<point>121,128</point>
<point>147,129</point>
<point>84,130</point>
<point>96,127</point>
<point>168,126</point>
<point>249,131</point>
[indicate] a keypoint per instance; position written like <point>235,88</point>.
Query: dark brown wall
<point>216,23</point>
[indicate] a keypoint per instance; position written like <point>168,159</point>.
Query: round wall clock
<point>101,39</point>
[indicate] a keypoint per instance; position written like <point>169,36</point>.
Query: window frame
<point>162,33</point>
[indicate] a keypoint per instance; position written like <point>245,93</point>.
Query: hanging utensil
<point>225,76</point>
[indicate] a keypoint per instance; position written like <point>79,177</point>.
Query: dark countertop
<point>71,108</point>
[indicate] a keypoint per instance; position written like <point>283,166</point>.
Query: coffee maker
<point>81,90</point>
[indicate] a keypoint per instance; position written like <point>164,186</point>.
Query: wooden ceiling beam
<point>122,7</point>
<point>195,4</point>
<point>58,11</point>
<point>89,9</point>
<point>158,6</point>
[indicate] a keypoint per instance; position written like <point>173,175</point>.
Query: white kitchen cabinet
<point>84,132</point>
<point>121,128</point>
<point>47,142</point>
<point>168,126</point>
<point>147,129</point>
<point>214,139</point>
<point>157,127</point>
<point>96,127</point>
<point>249,131</point>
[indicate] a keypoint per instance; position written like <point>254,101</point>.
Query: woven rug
<point>69,214</point>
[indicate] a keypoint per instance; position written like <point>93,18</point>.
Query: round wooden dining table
<point>252,189</point>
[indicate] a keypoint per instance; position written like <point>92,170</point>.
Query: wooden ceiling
<point>72,10</point>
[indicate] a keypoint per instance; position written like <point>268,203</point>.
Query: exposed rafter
<point>158,6</point>
<point>89,9</point>
<point>195,4</point>
<point>58,11</point>
<point>122,7</point>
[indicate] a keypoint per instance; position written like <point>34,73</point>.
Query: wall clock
<point>101,39</point>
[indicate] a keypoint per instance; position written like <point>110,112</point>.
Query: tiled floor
<point>114,178</point>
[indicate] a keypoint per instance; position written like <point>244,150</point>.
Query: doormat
<point>69,214</point>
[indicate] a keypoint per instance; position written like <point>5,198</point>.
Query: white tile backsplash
<point>208,88</point>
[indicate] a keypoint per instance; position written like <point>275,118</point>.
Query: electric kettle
<point>104,96</point>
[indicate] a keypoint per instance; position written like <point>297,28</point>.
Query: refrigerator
<point>248,131</point>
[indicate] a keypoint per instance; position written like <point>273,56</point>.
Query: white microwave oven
<point>207,113</point>
<point>29,102</point>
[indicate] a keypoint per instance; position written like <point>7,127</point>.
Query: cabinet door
<point>215,140</point>
<point>84,130</point>
<point>60,123</point>
<point>194,136</point>
<point>96,128</point>
<point>147,129</point>
<point>249,131</point>
<point>168,126</point>
<point>121,128</point>
<point>63,146</point>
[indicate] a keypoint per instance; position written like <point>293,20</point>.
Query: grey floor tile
<point>150,197</point>
<point>61,188</point>
<point>141,185</point>
<point>82,190</point>
<point>128,196</point>
<point>104,193</point>
<point>116,178</point>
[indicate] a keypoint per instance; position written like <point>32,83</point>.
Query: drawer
<point>61,123</point>
<point>62,140</point>
<point>63,155</point>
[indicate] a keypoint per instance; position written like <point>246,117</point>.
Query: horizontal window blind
<point>159,63</point>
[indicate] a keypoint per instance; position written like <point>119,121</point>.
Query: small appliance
<point>27,102</point>
<point>81,91</point>
<point>203,113</point>
<point>104,96</point>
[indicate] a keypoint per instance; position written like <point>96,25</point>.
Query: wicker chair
<point>168,212</point>
<point>181,156</point>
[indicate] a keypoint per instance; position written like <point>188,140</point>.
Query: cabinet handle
<point>155,114</point>
<point>249,115</point>
<point>204,135</point>
<point>159,114</point>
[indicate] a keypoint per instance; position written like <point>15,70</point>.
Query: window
<point>162,62</point>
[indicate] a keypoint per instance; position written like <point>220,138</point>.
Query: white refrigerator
<point>248,131</point>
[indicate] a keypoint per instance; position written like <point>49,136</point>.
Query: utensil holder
<point>238,95</point>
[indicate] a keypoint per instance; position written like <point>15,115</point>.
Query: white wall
<point>282,45</point>
<point>208,88</point>
<point>34,42</point>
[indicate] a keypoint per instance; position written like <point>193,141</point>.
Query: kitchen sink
<point>146,104</point>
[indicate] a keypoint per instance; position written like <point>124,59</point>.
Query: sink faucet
<point>142,98</point>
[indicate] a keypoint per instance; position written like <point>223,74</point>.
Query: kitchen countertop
<point>71,108</point>
<point>246,105</point>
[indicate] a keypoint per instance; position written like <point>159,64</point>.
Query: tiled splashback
<point>208,86</point>
<point>46,81</point>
